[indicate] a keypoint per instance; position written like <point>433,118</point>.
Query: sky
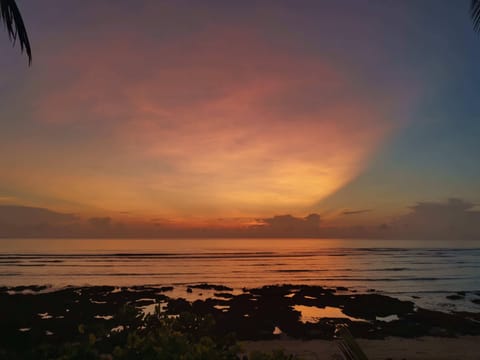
<point>253,118</point>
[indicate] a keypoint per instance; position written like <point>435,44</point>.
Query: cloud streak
<point>356,212</point>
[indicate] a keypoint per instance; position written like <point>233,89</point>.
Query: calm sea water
<point>429,270</point>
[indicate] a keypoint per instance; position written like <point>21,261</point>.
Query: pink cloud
<point>242,126</point>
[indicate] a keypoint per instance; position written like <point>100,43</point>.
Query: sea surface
<point>423,271</point>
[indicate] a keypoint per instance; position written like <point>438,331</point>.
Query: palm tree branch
<point>11,17</point>
<point>347,345</point>
<point>475,13</point>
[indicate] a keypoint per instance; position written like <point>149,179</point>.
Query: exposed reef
<point>30,315</point>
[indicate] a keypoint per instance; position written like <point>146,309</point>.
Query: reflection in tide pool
<point>388,318</point>
<point>312,313</point>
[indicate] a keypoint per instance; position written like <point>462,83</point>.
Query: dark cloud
<point>100,222</point>
<point>355,212</point>
<point>383,226</point>
<point>453,219</point>
<point>288,225</point>
<point>25,215</point>
<point>24,221</point>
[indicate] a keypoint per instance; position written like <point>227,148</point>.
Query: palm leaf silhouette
<point>11,17</point>
<point>475,13</point>
<point>347,345</point>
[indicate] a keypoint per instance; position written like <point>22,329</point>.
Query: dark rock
<point>178,306</point>
<point>251,315</point>
<point>451,322</point>
<point>165,288</point>
<point>204,307</point>
<point>373,305</point>
<point>34,288</point>
<point>205,286</point>
<point>243,304</point>
<point>272,290</point>
<point>144,302</point>
<point>437,331</point>
<point>469,315</point>
<point>224,295</point>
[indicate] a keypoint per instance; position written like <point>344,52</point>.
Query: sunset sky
<point>226,113</point>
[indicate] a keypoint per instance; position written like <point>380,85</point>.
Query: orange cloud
<point>218,122</point>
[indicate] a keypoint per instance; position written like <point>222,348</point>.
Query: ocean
<point>423,271</point>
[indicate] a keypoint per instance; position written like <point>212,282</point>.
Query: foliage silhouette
<point>347,345</point>
<point>475,13</point>
<point>12,18</point>
<point>186,336</point>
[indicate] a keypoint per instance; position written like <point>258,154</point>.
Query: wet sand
<point>393,348</point>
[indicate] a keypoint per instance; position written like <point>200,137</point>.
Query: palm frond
<point>11,17</point>
<point>475,13</point>
<point>347,344</point>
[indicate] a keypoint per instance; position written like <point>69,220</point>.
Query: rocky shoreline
<point>33,314</point>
